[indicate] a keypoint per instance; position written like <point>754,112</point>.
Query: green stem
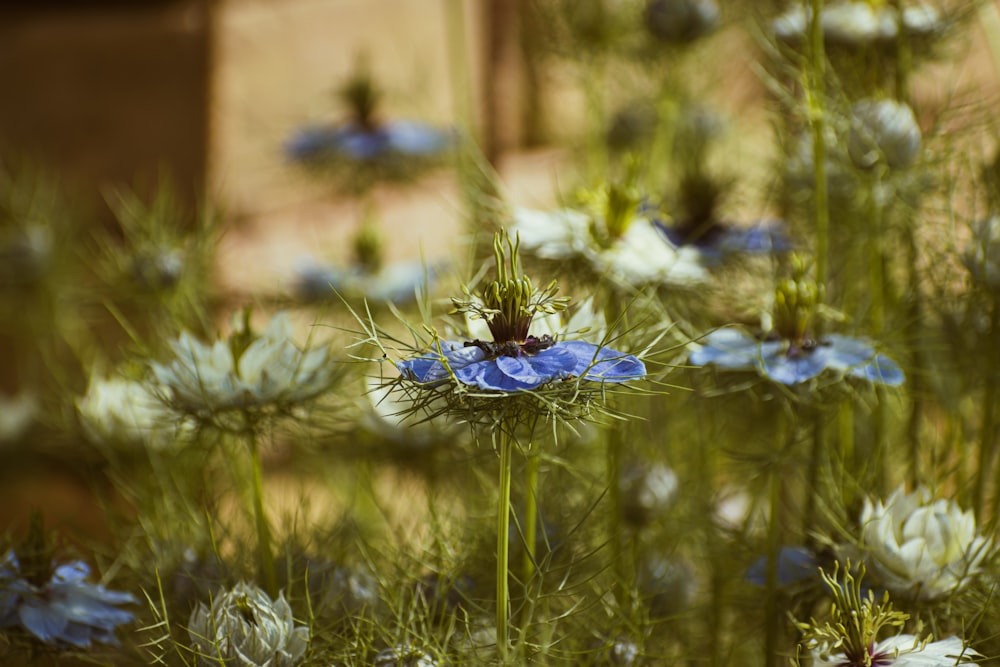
<point>988,424</point>
<point>772,617</point>
<point>530,517</point>
<point>503,537</point>
<point>918,372</point>
<point>848,454</point>
<point>816,118</point>
<point>614,468</point>
<point>265,555</point>
<point>816,457</point>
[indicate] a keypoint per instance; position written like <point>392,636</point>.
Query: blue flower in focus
<point>788,362</point>
<point>366,144</point>
<point>795,564</point>
<point>524,366</point>
<point>63,611</point>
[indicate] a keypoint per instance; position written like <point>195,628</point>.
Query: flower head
<point>612,236</point>
<point>858,23</point>
<point>117,410</point>
<point>245,372</point>
<point>681,21</point>
<point>515,360</point>
<point>56,604</point>
<point>245,628</point>
<point>919,546</point>
<point>883,131</point>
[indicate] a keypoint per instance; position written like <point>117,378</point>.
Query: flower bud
<point>883,131</point>
<point>245,628</point>
<point>681,21</point>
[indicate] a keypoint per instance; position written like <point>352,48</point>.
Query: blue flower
<point>362,144</point>
<point>788,363</point>
<point>66,610</point>
<point>795,564</point>
<point>719,240</point>
<point>526,368</point>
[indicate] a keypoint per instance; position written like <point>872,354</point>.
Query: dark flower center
<point>531,346</point>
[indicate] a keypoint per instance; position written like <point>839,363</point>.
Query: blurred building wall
<point>106,92</point>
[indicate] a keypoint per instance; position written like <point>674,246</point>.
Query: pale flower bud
<point>883,131</point>
<point>245,628</point>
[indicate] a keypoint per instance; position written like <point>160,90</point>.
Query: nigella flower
<point>795,564</point>
<point>858,23</point>
<point>849,638</point>
<point>613,237</point>
<point>919,546</point>
<point>515,360</point>
<point>902,651</point>
<point>117,410</point>
<point>379,148</point>
<point>356,142</point>
<point>245,628</point>
<point>404,655</point>
<point>789,355</point>
<point>245,372</point>
<point>883,131</point>
<point>58,606</point>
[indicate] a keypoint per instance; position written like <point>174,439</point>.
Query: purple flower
<point>66,610</point>
<point>523,367</point>
<point>790,363</point>
<point>717,241</point>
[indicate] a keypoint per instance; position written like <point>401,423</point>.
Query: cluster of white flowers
<point>270,371</point>
<point>905,651</point>
<point>918,546</point>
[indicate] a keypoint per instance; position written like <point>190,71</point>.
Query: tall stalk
<point>265,555</point>
<point>814,98</point>
<point>503,547</point>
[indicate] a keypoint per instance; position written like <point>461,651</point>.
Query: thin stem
<point>814,95</point>
<point>613,472</point>
<point>530,517</point>
<point>503,537</point>
<point>772,617</point>
<point>988,423</point>
<point>816,456</point>
<point>264,553</point>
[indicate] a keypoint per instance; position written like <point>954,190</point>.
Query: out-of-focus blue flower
<point>789,363</point>
<point>356,142</point>
<point>717,241</point>
<point>64,611</point>
<point>525,369</point>
<point>795,564</point>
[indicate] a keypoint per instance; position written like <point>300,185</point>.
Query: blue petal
<point>729,349</point>
<point>428,368</point>
<point>362,144</point>
<point>554,363</point>
<point>858,358</point>
<point>411,138</point>
<point>487,375</point>
<point>311,142</point>
<point>74,571</point>
<point>766,236</point>
<point>42,620</point>
<point>795,564</point>
<point>778,366</point>
<point>602,364</point>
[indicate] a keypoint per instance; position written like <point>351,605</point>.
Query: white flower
<point>904,651</point>
<point>270,372</point>
<point>854,24</point>
<point>915,545</point>
<point>883,131</point>
<point>116,410</point>
<point>404,655</point>
<point>244,628</point>
<point>640,256</point>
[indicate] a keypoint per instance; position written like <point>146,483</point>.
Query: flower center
<point>508,304</point>
<point>530,346</point>
<point>795,303</point>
